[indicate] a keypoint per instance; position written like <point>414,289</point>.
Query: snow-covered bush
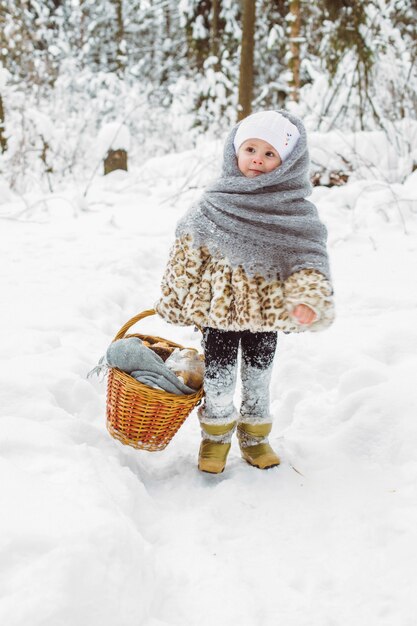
<point>388,155</point>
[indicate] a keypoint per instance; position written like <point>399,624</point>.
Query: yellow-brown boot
<point>215,446</point>
<point>254,446</point>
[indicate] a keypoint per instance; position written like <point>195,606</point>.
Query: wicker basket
<point>138,415</point>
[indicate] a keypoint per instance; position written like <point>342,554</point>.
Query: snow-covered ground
<point>93,533</point>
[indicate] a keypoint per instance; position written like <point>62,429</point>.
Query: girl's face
<point>256,156</point>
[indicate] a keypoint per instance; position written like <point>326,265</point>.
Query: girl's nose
<point>257,160</point>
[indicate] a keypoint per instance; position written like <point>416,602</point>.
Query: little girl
<point>249,259</point>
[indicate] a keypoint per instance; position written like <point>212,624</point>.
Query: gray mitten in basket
<point>132,357</point>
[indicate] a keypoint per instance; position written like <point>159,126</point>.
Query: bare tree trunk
<point>295,61</point>
<point>164,34</point>
<point>120,58</point>
<point>3,139</point>
<point>214,32</point>
<point>246,59</point>
<point>198,49</point>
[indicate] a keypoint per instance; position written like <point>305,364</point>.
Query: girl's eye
<point>269,154</point>
<point>249,149</point>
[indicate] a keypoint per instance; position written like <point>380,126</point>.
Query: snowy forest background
<point>170,72</point>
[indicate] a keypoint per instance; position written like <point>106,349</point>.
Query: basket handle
<point>131,322</point>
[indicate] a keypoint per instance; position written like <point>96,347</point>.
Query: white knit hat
<point>270,126</point>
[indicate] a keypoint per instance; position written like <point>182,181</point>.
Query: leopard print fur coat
<point>200,290</point>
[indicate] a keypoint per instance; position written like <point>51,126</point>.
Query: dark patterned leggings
<point>221,354</point>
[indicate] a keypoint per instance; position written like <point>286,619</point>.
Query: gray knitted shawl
<point>263,224</point>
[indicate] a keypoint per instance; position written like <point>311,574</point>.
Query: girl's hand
<point>304,315</point>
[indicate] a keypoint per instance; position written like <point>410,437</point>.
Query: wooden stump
<point>115,160</point>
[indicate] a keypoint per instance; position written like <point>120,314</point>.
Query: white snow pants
<point>221,353</point>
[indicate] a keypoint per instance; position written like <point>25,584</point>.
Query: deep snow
<point>95,533</point>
